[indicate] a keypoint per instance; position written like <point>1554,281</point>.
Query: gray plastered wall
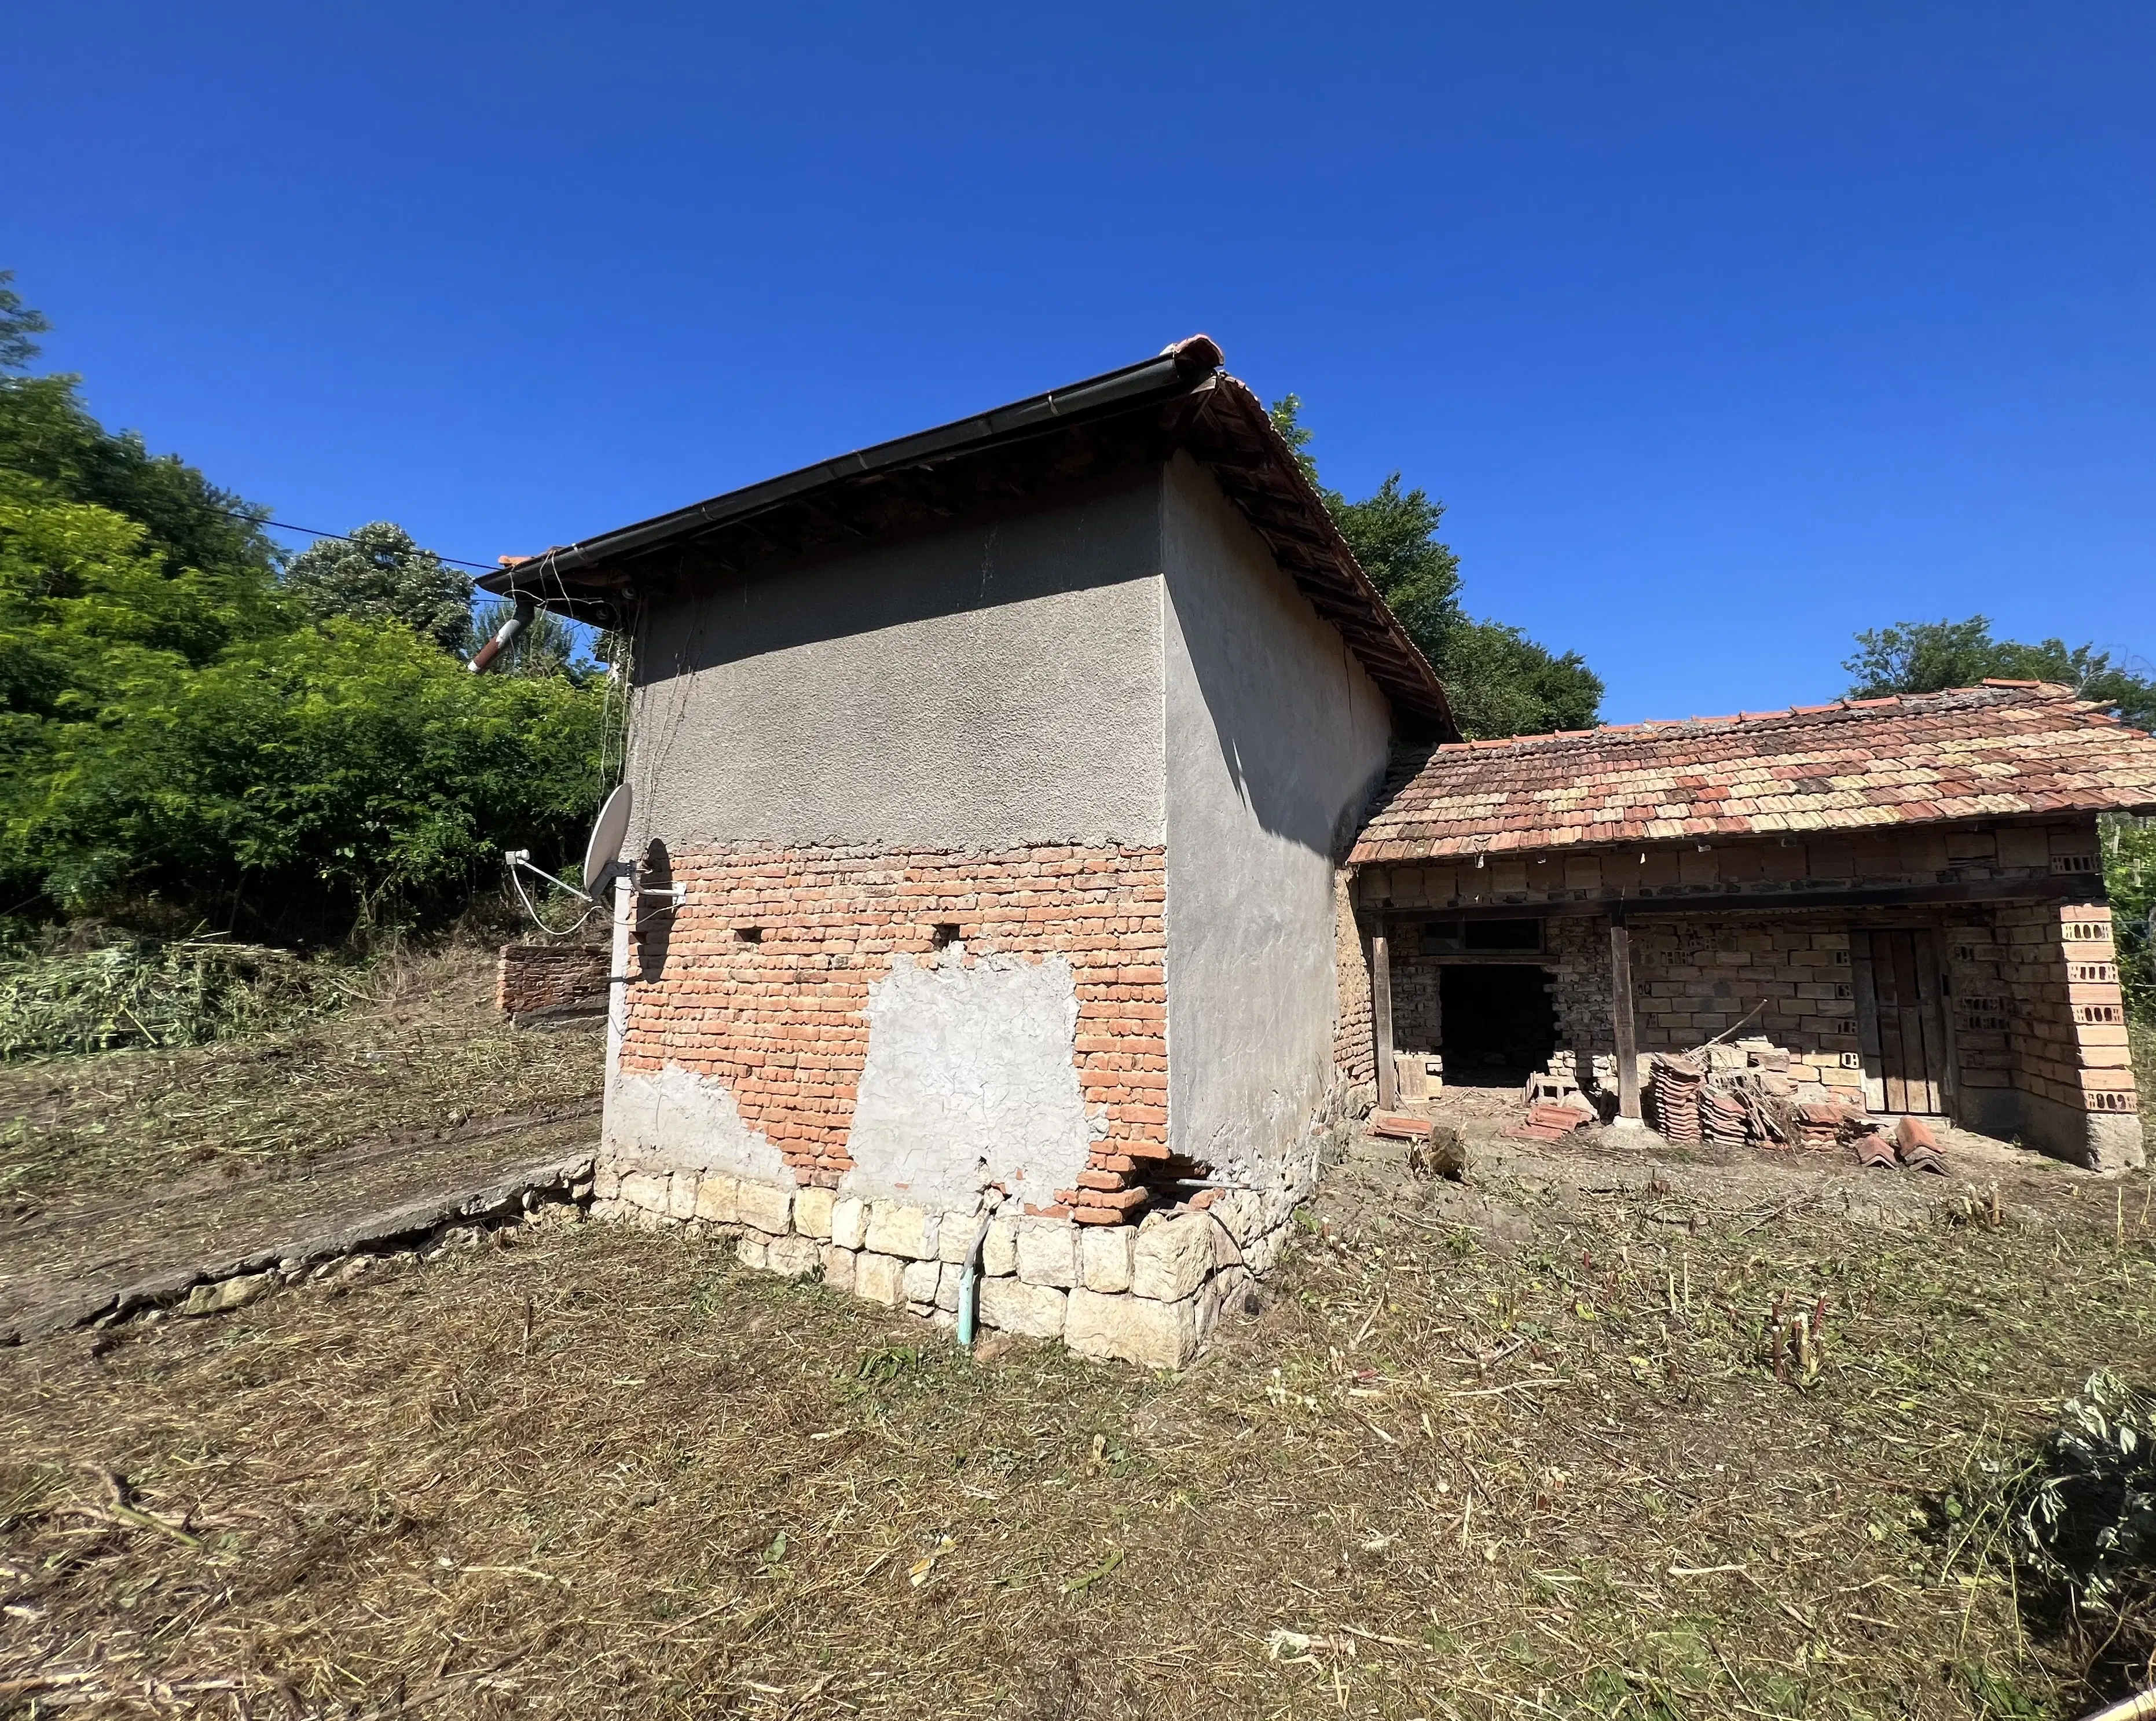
<point>1277,737</point>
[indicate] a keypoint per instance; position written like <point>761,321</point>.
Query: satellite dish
<point>607,831</point>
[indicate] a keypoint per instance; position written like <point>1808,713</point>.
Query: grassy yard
<point>421,1048</point>
<point>602,1472</point>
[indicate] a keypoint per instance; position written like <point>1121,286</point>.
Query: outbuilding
<point>1005,775</point>
<point>1904,897</point>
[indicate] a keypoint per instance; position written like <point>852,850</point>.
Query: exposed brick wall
<point>2066,1014</point>
<point>781,1020</point>
<point>1354,1055</point>
<point>537,980</point>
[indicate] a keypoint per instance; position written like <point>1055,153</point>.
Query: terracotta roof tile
<point>1999,751</point>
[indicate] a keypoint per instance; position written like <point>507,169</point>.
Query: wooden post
<point>1381,1019</point>
<point>1620,1017</point>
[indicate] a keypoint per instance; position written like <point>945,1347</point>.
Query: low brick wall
<point>540,980</point>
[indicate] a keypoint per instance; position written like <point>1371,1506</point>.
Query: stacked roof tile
<point>2004,749</point>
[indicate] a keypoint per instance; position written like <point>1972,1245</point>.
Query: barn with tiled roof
<point>1903,895</point>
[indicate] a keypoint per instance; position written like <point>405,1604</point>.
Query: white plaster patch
<point>685,1121</point>
<point>970,1080</point>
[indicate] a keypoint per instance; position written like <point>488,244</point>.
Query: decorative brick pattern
<point>550,980</point>
<point>2068,1035</point>
<point>761,980</point>
<point>1999,751</point>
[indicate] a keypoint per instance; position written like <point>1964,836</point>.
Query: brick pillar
<point>2072,1063</point>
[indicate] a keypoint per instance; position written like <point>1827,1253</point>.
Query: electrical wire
<point>582,920</point>
<point>256,520</point>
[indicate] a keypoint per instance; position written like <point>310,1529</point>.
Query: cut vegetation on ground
<point>1635,1452</point>
<point>419,1047</point>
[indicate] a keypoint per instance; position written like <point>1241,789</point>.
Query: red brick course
<point>782,1021</point>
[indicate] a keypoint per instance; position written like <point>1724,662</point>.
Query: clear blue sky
<point>1722,329</point>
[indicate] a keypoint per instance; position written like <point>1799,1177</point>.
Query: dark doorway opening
<point>1498,1022</point>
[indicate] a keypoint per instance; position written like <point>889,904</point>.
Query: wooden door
<point>1899,1020</point>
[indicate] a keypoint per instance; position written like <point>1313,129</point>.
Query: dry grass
<point>606,1474</point>
<point>422,1048</point>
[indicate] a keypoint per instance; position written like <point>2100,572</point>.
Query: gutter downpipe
<point>969,1277</point>
<point>483,659</point>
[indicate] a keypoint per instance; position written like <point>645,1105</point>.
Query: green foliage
<point>2085,1514</point>
<point>1925,657</point>
<point>19,326</point>
<point>2129,882</point>
<point>1499,681</point>
<point>378,574</point>
<point>180,735</point>
<point>149,993</point>
<point>355,765</point>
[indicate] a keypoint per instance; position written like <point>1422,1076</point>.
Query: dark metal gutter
<point>1185,365</point>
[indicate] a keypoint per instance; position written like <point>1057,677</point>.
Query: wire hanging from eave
<point>531,908</point>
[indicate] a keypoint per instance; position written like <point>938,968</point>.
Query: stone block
<point>999,1249</point>
<point>850,1221</point>
<point>717,1199</point>
<point>896,1228</point>
<point>765,1206</point>
<point>947,1287</point>
<point>681,1195</point>
<point>1105,1257</point>
<point>811,1212</point>
<point>1172,1257</point>
<point>752,1249</point>
<point>233,1292</point>
<point>880,1278</point>
<point>1048,1253</point>
<point>1010,1305</point>
<point>796,1256</point>
<point>606,1184</point>
<point>1132,1329</point>
<point>920,1279</point>
<point>955,1235</point>
<point>838,1267</point>
<point>646,1190</point>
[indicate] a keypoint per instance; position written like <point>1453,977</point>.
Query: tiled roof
<point>2004,749</point>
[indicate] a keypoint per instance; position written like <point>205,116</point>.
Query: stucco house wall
<point>1276,738</point>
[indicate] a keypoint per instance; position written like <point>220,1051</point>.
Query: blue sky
<point>1723,329</point>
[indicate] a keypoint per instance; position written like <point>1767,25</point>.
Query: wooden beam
<point>1381,1019</point>
<point>1621,1016</point>
<point>2064,888</point>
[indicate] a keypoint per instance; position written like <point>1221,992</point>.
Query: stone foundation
<point>1148,1294</point>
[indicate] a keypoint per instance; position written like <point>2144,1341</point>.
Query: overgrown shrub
<point>155,992</point>
<point>2084,1516</point>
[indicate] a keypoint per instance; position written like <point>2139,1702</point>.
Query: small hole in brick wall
<point>748,934</point>
<point>945,935</point>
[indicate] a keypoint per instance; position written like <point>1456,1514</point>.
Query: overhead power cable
<point>256,520</point>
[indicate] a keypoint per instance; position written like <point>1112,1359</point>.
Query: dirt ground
<point>1515,1447</point>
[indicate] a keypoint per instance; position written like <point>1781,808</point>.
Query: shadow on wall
<point>655,920</point>
<point>1296,776</point>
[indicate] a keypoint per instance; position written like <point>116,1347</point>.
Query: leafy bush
<point>2084,1515</point>
<point>148,992</point>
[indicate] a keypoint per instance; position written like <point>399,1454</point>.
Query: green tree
<point>1925,657</point>
<point>2129,881</point>
<point>1499,681</point>
<point>19,326</point>
<point>176,733</point>
<point>378,574</point>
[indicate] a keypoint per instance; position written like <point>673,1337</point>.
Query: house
<point>1903,895</point>
<point>1006,774</point>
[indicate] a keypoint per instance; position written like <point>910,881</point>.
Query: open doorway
<point>1499,1023</point>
